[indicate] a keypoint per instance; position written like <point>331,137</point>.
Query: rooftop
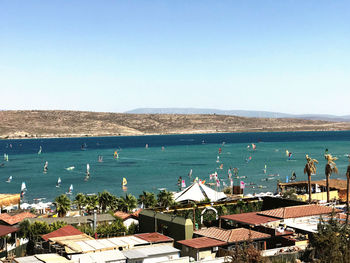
<point>298,211</point>
<point>12,220</point>
<point>74,220</point>
<point>333,183</point>
<point>103,256</point>
<point>122,215</point>
<point>154,237</point>
<point>4,230</point>
<point>202,242</point>
<point>67,230</point>
<point>144,252</point>
<point>252,218</point>
<point>9,199</point>
<point>231,235</point>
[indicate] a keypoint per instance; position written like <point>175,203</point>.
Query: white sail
<point>23,187</point>
<point>9,179</point>
<point>71,188</point>
<point>59,180</point>
<point>87,168</point>
<point>40,149</point>
<point>45,166</point>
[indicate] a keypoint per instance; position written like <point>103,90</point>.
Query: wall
<point>320,196</point>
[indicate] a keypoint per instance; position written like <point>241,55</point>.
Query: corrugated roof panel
<point>95,244</point>
<point>78,258</point>
<point>107,256</point>
<point>30,259</point>
<point>84,246</point>
<point>118,242</point>
<point>134,254</point>
<point>106,243</point>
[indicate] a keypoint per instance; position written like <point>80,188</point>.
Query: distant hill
<point>39,124</point>
<point>241,113</point>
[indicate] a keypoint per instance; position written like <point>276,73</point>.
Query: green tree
<point>165,198</point>
<point>80,201</point>
<point>104,200</point>
<point>147,199</point>
<point>91,202</point>
<point>62,204</point>
<point>310,168</point>
<point>127,203</point>
<point>57,225</point>
<point>115,203</point>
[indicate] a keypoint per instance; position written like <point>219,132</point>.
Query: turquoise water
<point>154,168</point>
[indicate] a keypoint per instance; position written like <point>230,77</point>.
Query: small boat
<point>58,184</point>
<point>70,168</point>
<point>46,166</point>
<point>9,179</point>
<point>40,149</point>
<point>70,190</point>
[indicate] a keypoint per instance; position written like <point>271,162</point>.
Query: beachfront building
<point>128,219</point>
<point>337,190</point>
<point>152,254</point>
<point>8,240</point>
<point>201,248</point>
<point>15,219</point>
<point>176,227</point>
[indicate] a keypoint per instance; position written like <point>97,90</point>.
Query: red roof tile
<point>298,211</point>
<point>137,212</point>
<point>12,220</point>
<point>250,218</point>
<point>122,215</point>
<point>202,242</point>
<point>4,230</point>
<point>231,235</point>
<point>154,237</point>
<point>67,230</point>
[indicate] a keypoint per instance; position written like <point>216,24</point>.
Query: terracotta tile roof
<point>298,211</point>
<point>252,218</point>
<point>231,235</point>
<point>67,230</point>
<point>154,237</point>
<point>12,220</point>
<point>4,230</point>
<point>122,215</point>
<point>202,242</point>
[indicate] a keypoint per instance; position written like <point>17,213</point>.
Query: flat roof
<point>202,242</point>
<point>154,237</point>
<point>152,250</point>
<point>252,218</point>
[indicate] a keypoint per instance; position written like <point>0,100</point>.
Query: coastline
<point>75,124</point>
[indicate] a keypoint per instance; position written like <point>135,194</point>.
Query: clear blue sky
<point>286,56</point>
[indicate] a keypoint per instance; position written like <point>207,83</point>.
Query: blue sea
<point>166,159</point>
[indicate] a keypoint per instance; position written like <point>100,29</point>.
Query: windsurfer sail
<point>23,189</point>
<point>265,169</point>
<point>253,146</point>
<point>183,183</point>
<point>70,190</point>
<point>218,159</point>
<point>87,172</point>
<point>40,149</point>
<point>9,179</point>
<point>116,155</point>
<point>46,166</point>
<point>100,158</point>
<point>220,150</point>
<point>190,174</point>
<point>124,182</point>
<point>6,157</point>
<point>58,184</point>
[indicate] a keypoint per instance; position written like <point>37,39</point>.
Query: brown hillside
<point>32,124</point>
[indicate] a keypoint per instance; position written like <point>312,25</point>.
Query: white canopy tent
<point>198,192</point>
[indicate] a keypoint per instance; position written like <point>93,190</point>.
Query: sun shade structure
<point>198,192</point>
<point>9,199</point>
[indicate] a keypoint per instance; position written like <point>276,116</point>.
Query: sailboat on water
<point>9,180</point>
<point>6,157</point>
<point>124,183</point>
<point>58,184</point>
<point>40,149</point>
<point>70,190</point>
<point>116,156</point>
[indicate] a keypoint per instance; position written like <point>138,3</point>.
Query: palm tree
<point>165,198</point>
<point>104,200</point>
<point>310,168</point>
<point>330,168</point>
<point>147,199</point>
<point>62,203</point>
<point>128,203</point>
<point>115,203</point>
<point>80,201</point>
<point>92,202</point>
<point>347,192</point>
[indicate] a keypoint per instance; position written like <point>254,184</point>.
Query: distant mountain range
<point>241,113</point>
